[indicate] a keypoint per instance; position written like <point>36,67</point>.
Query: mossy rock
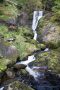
<point>24,46</point>
<point>49,33</point>
<point>41,46</point>
<point>50,59</point>
<point>3,64</point>
<point>16,85</point>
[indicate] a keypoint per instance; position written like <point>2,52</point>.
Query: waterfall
<point>36,17</point>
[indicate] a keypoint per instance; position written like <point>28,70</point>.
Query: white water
<point>30,59</point>
<point>42,67</point>
<point>1,88</point>
<point>28,69</point>
<point>32,72</point>
<point>36,16</point>
<point>47,49</point>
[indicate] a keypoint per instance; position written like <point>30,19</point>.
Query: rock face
<point>50,34</point>
<point>8,54</point>
<point>16,85</point>
<point>22,19</point>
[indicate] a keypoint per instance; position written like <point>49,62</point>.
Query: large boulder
<point>51,59</point>
<point>49,33</point>
<point>9,52</point>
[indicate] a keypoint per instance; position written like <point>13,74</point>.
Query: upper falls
<point>36,17</point>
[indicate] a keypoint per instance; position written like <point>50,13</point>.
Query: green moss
<point>3,64</point>
<point>50,59</point>
<point>3,29</point>
<point>41,46</point>
<point>8,11</point>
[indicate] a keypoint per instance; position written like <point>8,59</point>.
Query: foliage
<point>47,4</point>
<point>3,63</point>
<point>56,10</point>
<point>8,11</point>
<point>1,1</point>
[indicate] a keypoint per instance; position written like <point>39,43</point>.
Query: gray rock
<point>10,73</point>
<point>20,66</point>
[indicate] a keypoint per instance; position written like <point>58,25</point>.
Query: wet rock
<point>16,85</point>
<point>20,66</point>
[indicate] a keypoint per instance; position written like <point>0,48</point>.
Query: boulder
<point>51,59</point>
<point>49,33</point>
<point>20,66</point>
<point>8,51</point>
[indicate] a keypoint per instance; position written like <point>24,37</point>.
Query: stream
<point>38,80</point>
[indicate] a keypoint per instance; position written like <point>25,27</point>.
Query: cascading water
<point>30,59</point>
<point>36,16</point>
<point>33,71</point>
<point>1,88</point>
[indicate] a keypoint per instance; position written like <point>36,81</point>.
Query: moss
<point>8,11</point>
<point>21,43</point>
<point>41,46</point>
<point>24,46</point>
<point>3,64</point>
<point>50,59</point>
<point>3,29</point>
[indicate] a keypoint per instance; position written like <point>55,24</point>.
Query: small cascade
<point>30,59</point>
<point>47,49</point>
<point>28,69</point>
<point>2,88</point>
<point>36,17</point>
<point>32,72</point>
